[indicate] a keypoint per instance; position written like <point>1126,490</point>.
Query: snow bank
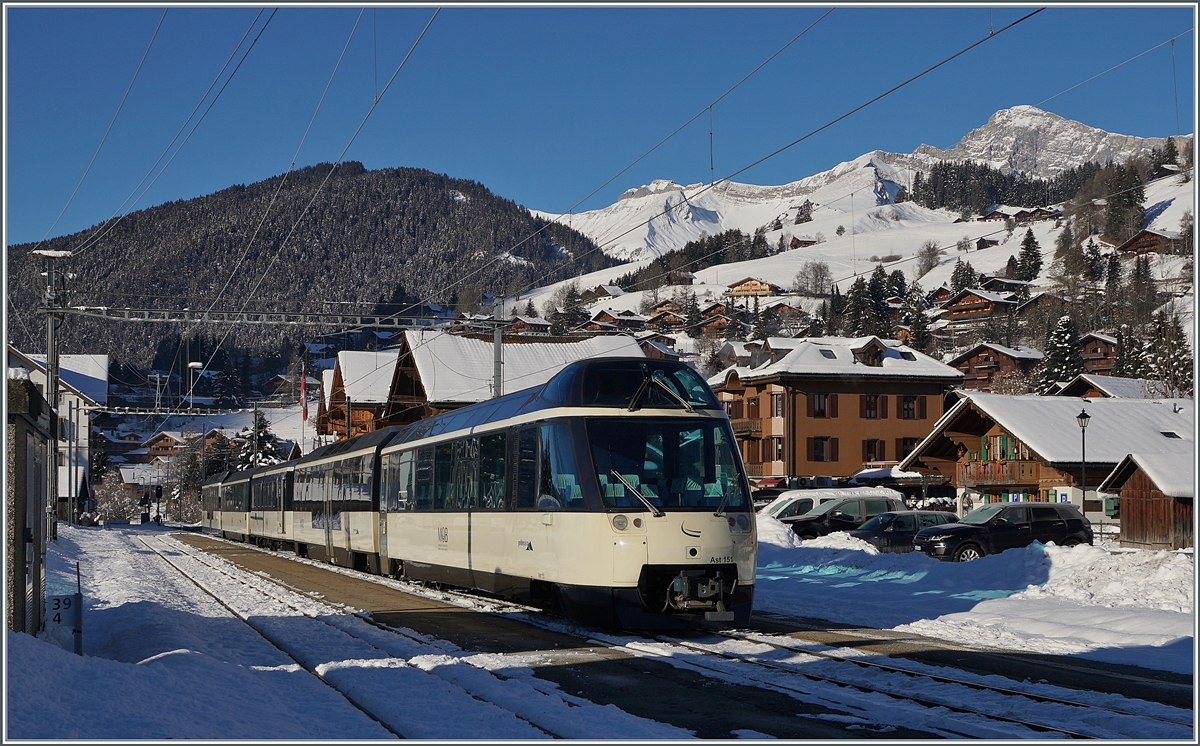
<point>1121,606</point>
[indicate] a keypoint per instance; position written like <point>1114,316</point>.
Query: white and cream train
<point>614,493</point>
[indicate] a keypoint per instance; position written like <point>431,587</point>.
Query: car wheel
<point>967,553</point>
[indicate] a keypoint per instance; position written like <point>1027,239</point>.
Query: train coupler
<point>693,590</point>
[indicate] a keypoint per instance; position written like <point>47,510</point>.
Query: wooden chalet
<point>997,284</point>
<point>361,392</point>
<point>973,304</point>
<point>666,305</point>
<point>1148,241</point>
<point>600,292</point>
<point>799,242</point>
<point>666,320</point>
<point>715,325</point>
<point>939,296</point>
<point>754,286</point>
<point>322,419</point>
<point>619,319</point>
<point>680,277</point>
<point>984,243</point>
<point>1099,353</point>
<point>983,364</point>
<point>1157,498</point>
<point>528,325</point>
<point>1092,386</point>
<point>1000,448</point>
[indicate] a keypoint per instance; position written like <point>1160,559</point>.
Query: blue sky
<point>544,105</point>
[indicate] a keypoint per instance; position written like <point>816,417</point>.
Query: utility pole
<point>497,345</point>
<point>53,321</point>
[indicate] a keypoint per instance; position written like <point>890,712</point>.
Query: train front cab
<point>534,511</point>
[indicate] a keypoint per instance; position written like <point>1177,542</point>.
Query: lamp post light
<point>193,366</point>
<point>1083,418</point>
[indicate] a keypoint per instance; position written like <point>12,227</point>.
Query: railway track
<point>379,706</point>
<point>970,708</point>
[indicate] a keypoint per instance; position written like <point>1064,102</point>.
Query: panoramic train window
<point>546,475</point>
<point>397,481</point>
<point>492,450</point>
<point>465,469</point>
<point>527,442</point>
<point>443,475</point>
<point>672,464</point>
<point>425,478</point>
<point>642,384</point>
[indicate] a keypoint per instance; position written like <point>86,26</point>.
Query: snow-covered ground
<point>163,660</point>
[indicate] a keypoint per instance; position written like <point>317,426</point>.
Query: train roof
<point>272,468</point>
<point>216,478</point>
<point>371,440</point>
<point>598,382</point>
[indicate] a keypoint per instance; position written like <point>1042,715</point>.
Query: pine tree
<point>964,276</point>
<point>261,447</point>
<point>858,314</point>
<point>1063,359</point>
<point>530,311</point>
<point>897,284</point>
<point>1095,262</point>
<point>1030,262</point>
<point>804,212</point>
<point>1011,270</point>
<point>227,386</point>
<point>691,315</point>
<point>1168,358</point>
<point>918,322</point>
<point>1142,293</point>
<point>877,293</point>
<point>1065,241</point>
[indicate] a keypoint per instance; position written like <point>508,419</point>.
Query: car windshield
<point>877,523</point>
<point>825,507</point>
<point>981,515</point>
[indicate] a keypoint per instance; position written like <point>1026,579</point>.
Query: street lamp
<point>1083,420</point>
<point>192,366</point>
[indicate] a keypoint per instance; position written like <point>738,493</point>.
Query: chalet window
<point>752,407</point>
<point>822,449</point>
<point>822,405</point>
<point>872,407</point>
<point>829,354</point>
<point>873,450</point>
<point>912,407</point>
<point>776,405</point>
<point>776,446</point>
<point>905,446</point>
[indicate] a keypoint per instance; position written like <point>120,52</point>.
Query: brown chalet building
<point>983,363</point>
<point>975,304</point>
<point>754,286</point>
<point>1147,240</point>
<point>996,448</point>
<point>833,404</point>
<point>1099,353</point>
<point>1157,498</point>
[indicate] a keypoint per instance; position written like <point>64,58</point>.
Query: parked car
<point>992,529</point>
<point>841,514</point>
<point>894,531</point>
<point>763,497</point>
<point>766,482</point>
<point>787,504</point>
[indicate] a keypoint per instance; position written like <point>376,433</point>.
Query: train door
<point>386,481</point>
<point>331,485</point>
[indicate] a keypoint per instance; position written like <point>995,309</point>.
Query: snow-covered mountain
<point>663,216</point>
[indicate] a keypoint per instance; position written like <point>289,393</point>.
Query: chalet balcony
<point>982,473</point>
<point>747,426</point>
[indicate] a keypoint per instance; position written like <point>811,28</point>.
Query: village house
<point>1092,386</point>
<point>1157,499</point>
<point>984,363</point>
<point>1099,353</point>
<point>600,292</point>
<point>984,243</point>
<point>83,387</point>
<point>680,277</point>
<point>322,419</point>
<point>754,286</point>
<point>1150,240</point>
<point>361,392</point>
<point>529,325</point>
<point>437,372</point>
<point>996,448</point>
<point>666,319</point>
<point>976,304</point>
<point>30,423</point>
<point>799,242</point>
<point>832,404</point>
<point>998,284</point>
<point>940,295</point>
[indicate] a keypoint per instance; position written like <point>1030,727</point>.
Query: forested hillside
<point>369,236</point>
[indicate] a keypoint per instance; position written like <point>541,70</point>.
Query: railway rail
<point>1086,720</point>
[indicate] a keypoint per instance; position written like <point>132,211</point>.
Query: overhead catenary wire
<point>1170,41</point>
<point>104,139</point>
<point>105,228</point>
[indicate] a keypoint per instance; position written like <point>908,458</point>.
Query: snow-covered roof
<point>985,294</point>
<point>367,376</point>
<point>532,320</point>
<point>327,385</point>
<point>1114,386</point>
<point>1171,471</point>
<point>835,356</point>
<point>86,374</point>
<point>1102,337</point>
<point>1018,352</point>
<point>460,369</point>
<point>1047,425</point>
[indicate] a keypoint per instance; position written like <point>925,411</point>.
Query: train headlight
<point>620,522</point>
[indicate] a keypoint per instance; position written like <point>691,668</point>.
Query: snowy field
<point>163,660</point>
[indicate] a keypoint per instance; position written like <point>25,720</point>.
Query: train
<point>613,494</point>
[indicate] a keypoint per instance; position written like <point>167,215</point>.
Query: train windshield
<point>634,384</point>
<point>673,464</point>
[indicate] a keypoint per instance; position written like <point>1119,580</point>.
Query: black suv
<point>894,532</point>
<point>841,514</point>
<point>994,528</point>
